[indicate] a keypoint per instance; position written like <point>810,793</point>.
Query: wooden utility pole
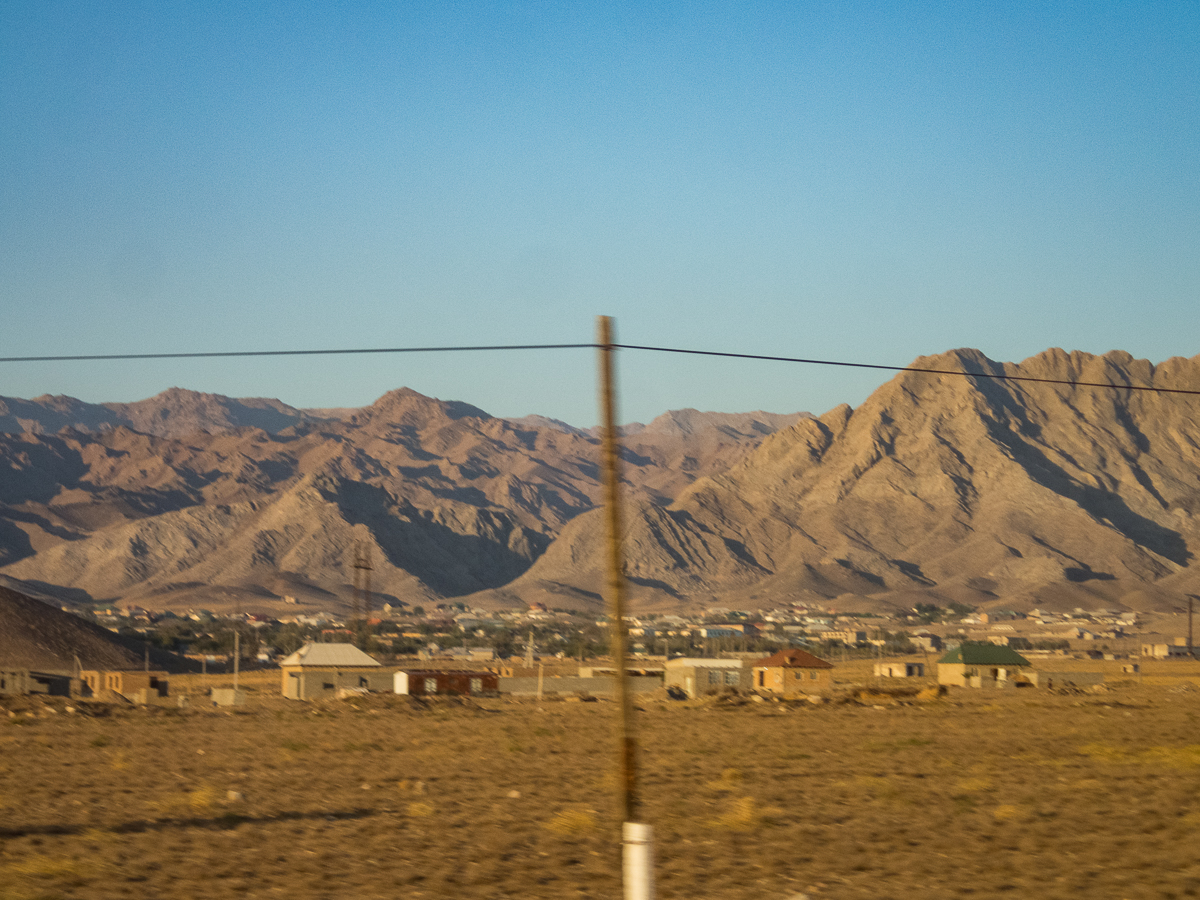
<point>626,743</point>
<point>636,838</point>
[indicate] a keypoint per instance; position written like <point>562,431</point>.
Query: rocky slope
<point>938,488</point>
<point>41,637</point>
<point>214,512</point>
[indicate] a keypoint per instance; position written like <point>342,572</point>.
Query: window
<point>714,677</point>
<point>431,685</point>
<point>732,676</point>
<point>812,675</point>
<point>476,685</point>
<point>762,679</point>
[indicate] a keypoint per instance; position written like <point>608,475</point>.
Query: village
<point>461,752</point>
<point>790,651</point>
<point>852,784</point>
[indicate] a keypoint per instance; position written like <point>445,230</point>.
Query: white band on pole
<point>638,852</point>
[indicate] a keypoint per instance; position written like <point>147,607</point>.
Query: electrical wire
<point>227,353</point>
<point>592,346</point>
<point>851,365</point>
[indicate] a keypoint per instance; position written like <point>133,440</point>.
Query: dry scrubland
<point>1021,793</point>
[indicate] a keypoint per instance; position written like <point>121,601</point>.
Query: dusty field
<point>1019,793</point>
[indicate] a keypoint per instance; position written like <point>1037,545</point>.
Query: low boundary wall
<point>601,686</point>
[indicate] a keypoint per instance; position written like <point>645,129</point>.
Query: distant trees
<point>931,613</point>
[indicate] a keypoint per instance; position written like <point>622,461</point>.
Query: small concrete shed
<point>696,676</point>
<point>321,670</point>
<point>899,670</point>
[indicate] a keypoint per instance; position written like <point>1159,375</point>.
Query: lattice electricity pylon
<point>362,591</point>
<point>529,651</point>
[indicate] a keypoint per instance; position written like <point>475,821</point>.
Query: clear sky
<point>857,181</point>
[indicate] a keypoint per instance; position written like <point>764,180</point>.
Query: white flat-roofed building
<point>697,676</point>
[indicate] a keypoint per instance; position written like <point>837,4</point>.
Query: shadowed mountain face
<point>938,488</point>
<point>239,502</point>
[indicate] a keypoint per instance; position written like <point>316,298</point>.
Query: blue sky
<point>866,182</point>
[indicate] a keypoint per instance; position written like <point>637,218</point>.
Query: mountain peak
<point>404,402</point>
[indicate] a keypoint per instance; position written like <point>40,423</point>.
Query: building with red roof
<point>792,673</point>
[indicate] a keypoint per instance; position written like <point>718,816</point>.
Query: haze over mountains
<point>938,488</point>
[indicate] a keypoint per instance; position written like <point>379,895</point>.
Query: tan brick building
<point>792,673</point>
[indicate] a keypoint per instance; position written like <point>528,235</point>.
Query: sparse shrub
<point>744,814</point>
<point>573,820</point>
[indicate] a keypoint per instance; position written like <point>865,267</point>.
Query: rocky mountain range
<point>197,500</point>
<point>938,488</point>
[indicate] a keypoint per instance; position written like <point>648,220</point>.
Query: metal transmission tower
<point>362,593</point>
<point>529,651</point>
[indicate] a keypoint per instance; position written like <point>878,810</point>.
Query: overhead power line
<point>997,376</point>
<point>344,351</point>
<point>955,372</point>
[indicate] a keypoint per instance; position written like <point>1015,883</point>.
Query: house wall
<point>1066,679</point>
<point>424,683</point>
<point>14,682</point>
<point>55,684</point>
<point>1165,651</point>
<point>303,683</point>
<point>899,670</point>
<point>962,675</point>
<point>791,680</point>
<point>97,682</point>
<point>600,686</point>
<point>698,680</point>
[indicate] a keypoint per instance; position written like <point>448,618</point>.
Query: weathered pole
<point>626,745</point>
<point>636,838</point>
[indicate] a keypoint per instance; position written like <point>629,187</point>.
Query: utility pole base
<point>637,846</point>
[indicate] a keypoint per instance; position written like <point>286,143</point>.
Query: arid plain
<point>977,794</point>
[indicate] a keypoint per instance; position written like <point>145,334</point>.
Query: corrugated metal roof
<point>346,655</point>
<point>985,655</point>
<point>793,659</point>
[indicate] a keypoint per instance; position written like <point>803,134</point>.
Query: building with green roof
<point>984,665</point>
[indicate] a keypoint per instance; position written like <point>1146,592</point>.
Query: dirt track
<point>1023,792</point>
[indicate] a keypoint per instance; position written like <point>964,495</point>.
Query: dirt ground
<point>978,794</point>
